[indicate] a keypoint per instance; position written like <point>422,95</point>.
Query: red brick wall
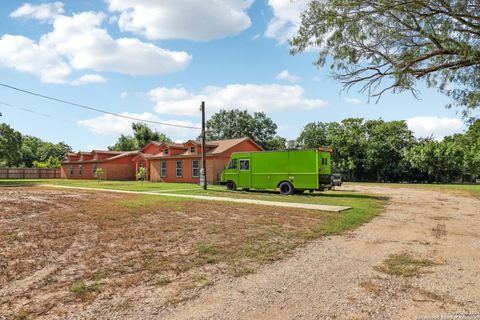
<point>171,170</point>
<point>119,169</point>
<point>87,171</point>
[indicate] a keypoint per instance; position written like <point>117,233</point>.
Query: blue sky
<point>157,60</point>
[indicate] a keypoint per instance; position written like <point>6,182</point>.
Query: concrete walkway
<point>320,207</point>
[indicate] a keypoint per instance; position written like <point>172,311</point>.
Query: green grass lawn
<point>460,189</point>
<point>364,206</point>
<point>115,185</point>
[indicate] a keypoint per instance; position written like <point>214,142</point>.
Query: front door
<point>244,176</point>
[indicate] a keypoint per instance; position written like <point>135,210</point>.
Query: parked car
<point>288,171</point>
<point>336,180</point>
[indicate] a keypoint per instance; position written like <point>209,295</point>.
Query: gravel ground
<point>338,277</point>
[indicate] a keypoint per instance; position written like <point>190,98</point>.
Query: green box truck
<point>290,171</point>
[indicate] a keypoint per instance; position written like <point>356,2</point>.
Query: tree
<point>124,143</point>
<point>387,143</point>
<point>10,145</point>
<point>35,150</point>
<point>98,173</point>
<point>390,45</point>
<point>142,174</point>
<point>238,123</point>
<point>52,162</point>
<point>314,135</point>
<point>142,135</point>
<point>275,143</point>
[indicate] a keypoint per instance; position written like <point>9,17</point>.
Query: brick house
<point>116,165</point>
<point>166,162</point>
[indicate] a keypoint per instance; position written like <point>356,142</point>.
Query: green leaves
<point>10,144</point>
<point>238,123</point>
<point>390,45</point>
<point>142,135</point>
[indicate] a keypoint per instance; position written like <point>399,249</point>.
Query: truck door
<point>244,176</point>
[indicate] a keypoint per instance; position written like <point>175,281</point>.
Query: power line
<point>43,114</point>
<point>25,109</point>
<point>94,109</point>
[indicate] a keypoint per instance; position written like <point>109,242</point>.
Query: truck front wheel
<point>286,188</point>
<point>231,186</point>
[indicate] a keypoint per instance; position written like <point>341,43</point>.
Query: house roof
<point>107,151</point>
<point>216,147</point>
<point>168,144</point>
<point>219,147</point>
<point>116,155</point>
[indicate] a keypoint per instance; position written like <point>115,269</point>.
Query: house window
<point>94,168</point>
<point>80,170</point>
<point>71,170</point>
<point>192,149</point>
<point>163,169</point>
<point>165,152</point>
<point>195,168</point>
<point>179,168</point>
<point>245,164</point>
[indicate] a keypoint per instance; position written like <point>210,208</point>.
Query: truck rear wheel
<point>286,188</point>
<point>231,186</point>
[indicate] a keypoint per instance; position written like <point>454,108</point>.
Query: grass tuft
<point>207,252</point>
<point>405,265</point>
<point>81,288</point>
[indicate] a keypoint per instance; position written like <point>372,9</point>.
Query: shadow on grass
<point>314,195</point>
<point>17,184</point>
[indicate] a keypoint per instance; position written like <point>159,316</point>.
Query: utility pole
<point>203,170</point>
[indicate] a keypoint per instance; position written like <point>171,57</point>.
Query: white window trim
<point>166,152</point>
<point>181,168</point>
<point>71,170</point>
<point>80,170</point>
<point>198,168</point>
<point>194,150</point>
<point>161,174</point>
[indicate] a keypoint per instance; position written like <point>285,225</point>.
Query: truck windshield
<point>232,164</point>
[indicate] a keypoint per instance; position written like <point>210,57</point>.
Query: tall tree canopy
<point>17,150</point>
<point>238,123</point>
<point>389,45</point>
<point>142,135</point>
<point>10,144</point>
<point>387,150</point>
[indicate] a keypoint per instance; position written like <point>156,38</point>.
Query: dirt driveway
<point>339,278</point>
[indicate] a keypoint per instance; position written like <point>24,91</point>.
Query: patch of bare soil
<point>75,254</point>
<point>340,277</point>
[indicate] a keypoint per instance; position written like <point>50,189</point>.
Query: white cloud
<point>78,42</point>
<point>267,98</point>
<point>110,124</point>
<point>42,12</point>
<point>286,19</point>
<point>25,55</point>
<point>436,126</point>
<point>89,78</point>
<point>182,19</point>
<point>123,95</point>
<point>285,75</point>
<point>354,100</point>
